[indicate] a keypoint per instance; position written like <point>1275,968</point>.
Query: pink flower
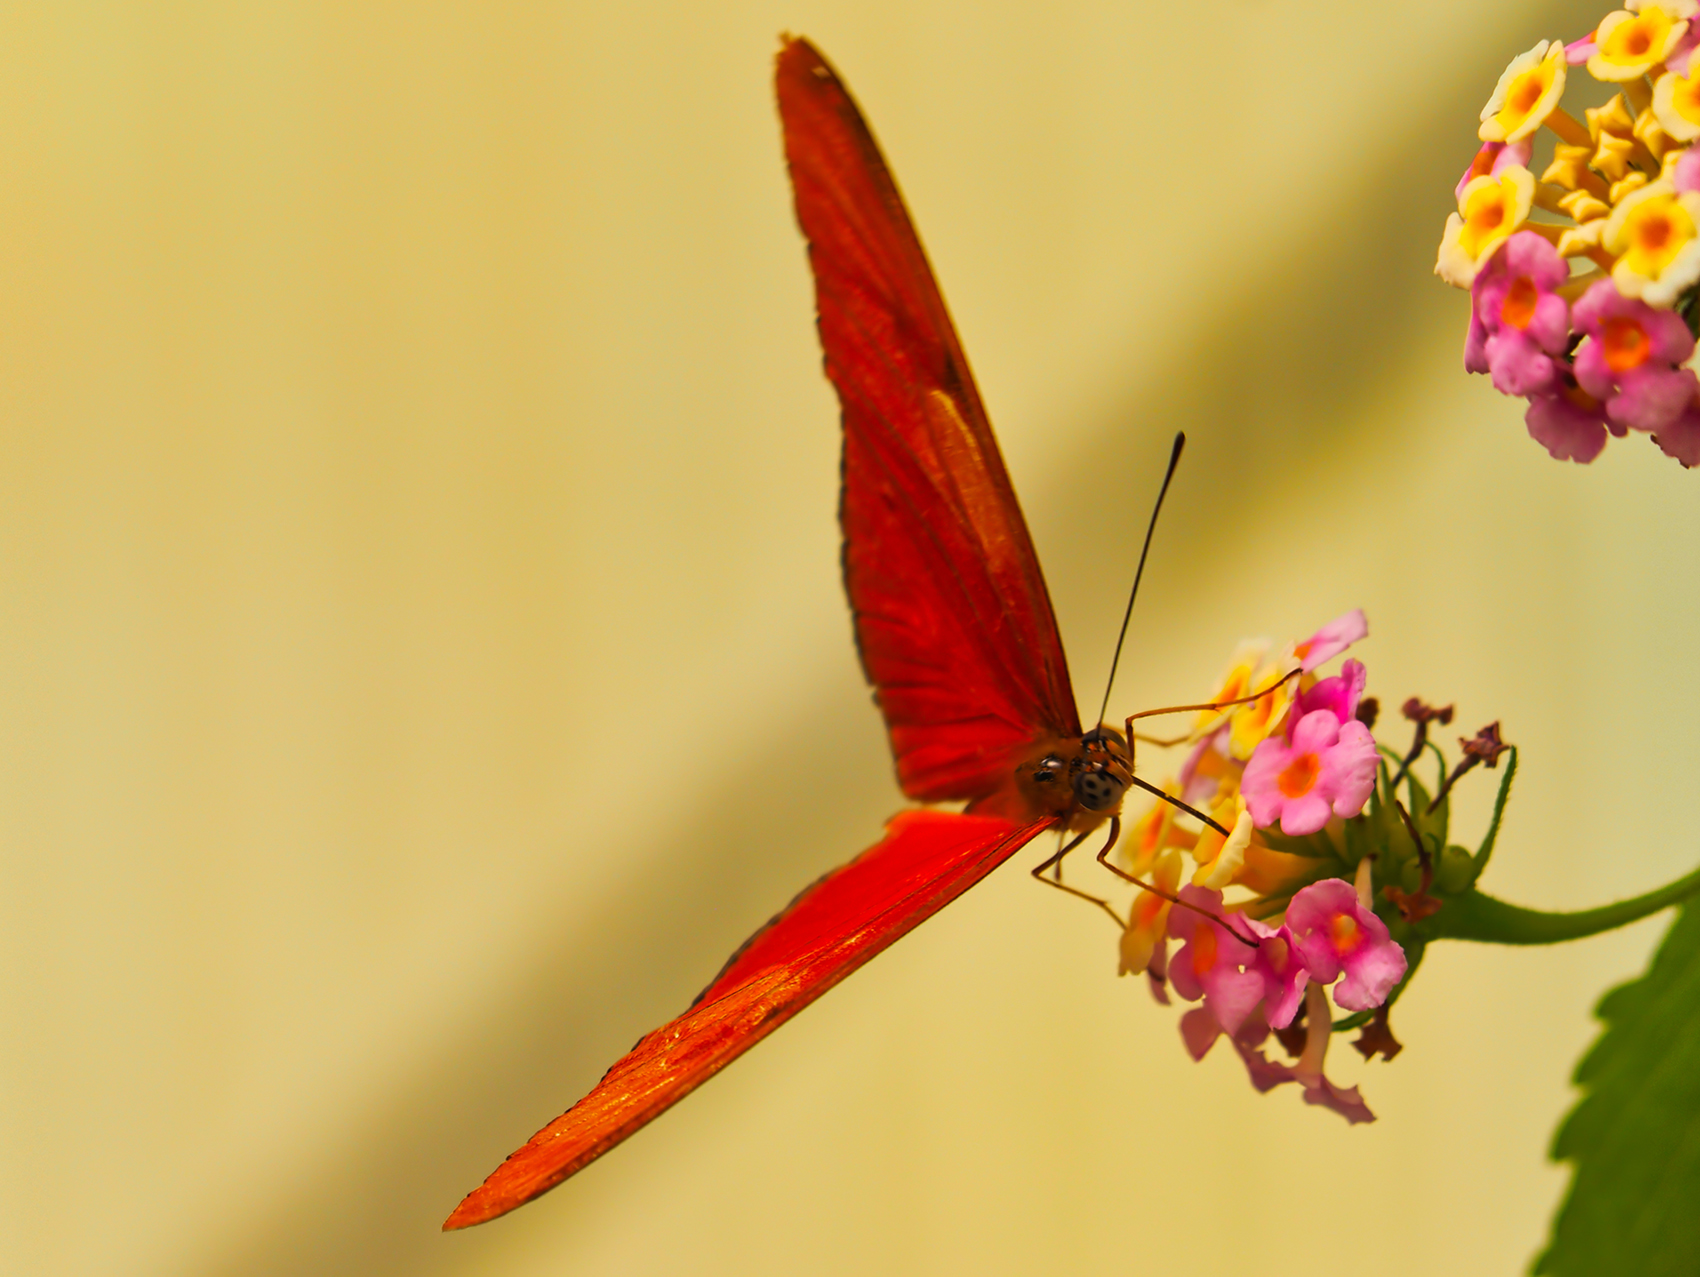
<point>1209,960</point>
<point>1344,1100</point>
<point>1629,360</point>
<point>1475,343</point>
<point>1328,766</point>
<point>1678,58</point>
<point>1157,974</point>
<point>1685,173</point>
<point>1266,1074</point>
<point>1319,1031</point>
<point>1681,439</point>
<point>1331,640</point>
<point>1333,932</point>
<point>1579,51</point>
<point>1493,157</point>
<point>1278,964</point>
<point>1569,422</point>
<point>1199,1032</point>
<point>1202,772</point>
<point>1518,318</point>
<point>1340,693</point>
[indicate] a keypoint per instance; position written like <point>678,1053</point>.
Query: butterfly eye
<point>1048,770</point>
<point>1098,790</point>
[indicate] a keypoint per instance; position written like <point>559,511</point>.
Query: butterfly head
<point>1085,776</point>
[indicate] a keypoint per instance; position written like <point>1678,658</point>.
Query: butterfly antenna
<point>1174,460</point>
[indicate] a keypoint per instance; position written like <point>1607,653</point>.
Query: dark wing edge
<point>953,621</point>
<point>926,860</point>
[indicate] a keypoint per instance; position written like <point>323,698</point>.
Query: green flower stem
<point>1477,916</point>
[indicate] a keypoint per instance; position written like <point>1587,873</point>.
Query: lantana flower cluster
<point>1272,925</point>
<point>1589,310</point>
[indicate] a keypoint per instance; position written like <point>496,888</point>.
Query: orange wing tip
<point>512,1184</point>
<point>795,52</point>
<point>490,1200</point>
<point>472,1211</point>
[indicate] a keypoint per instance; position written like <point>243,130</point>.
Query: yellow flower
<point>1526,94</point>
<point>1490,209</point>
<point>1208,763</point>
<point>1219,858</point>
<point>1676,8</point>
<point>1154,832</point>
<point>1628,45</point>
<point>1268,713</point>
<point>1676,102</point>
<point>1149,917</point>
<point>1655,235</point>
<point>1235,684</point>
<point>1273,873</point>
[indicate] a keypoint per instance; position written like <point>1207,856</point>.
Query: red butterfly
<point>954,626</point>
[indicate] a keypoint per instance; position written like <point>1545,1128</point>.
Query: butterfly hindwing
<point>925,861</point>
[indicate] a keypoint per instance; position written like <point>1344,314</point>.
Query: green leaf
<point>1314,846</point>
<point>1688,306</point>
<point>1635,1136</point>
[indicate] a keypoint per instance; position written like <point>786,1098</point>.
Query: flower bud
<point>1455,871</point>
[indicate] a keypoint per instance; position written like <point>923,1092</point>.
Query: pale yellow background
<point>422,656</point>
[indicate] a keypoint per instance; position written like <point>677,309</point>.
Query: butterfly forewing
<point>951,613</point>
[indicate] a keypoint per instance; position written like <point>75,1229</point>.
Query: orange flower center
<point>1581,398</point>
<point>1635,39</point>
<point>1298,776</point>
<point>1343,932</point>
<point>1203,949</point>
<point>1149,907</point>
<point>1526,92</point>
<point>1625,344</point>
<point>1518,309</point>
<point>1655,233</point>
<point>1149,835</point>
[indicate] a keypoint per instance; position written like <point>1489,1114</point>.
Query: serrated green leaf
<point>1436,823</point>
<point>1485,851</point>
<point>1635,1136</point>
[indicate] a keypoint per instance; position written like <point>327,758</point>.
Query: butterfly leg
<point>1056,860</point>
<point>1188,808</point>
<point>1162,742</point>
<point>1158,891</point>
<point>1209,706</point>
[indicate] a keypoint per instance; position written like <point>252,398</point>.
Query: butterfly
<point>953,624</point>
